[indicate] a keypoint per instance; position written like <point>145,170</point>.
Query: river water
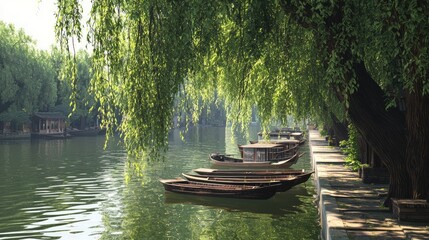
<point>76,189</point>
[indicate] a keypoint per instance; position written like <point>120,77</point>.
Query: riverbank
<point>348,208</point>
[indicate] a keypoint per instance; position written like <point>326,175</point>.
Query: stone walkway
<point>350,209</point>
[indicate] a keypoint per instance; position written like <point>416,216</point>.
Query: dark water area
<point>75,189</point>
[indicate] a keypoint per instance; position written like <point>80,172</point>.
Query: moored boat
<point>288,144</point>
<point>247,172</point>
<point>303,178</point>
<point>283,183</point>
<point>225,160</point>
<point>219,190</point>
<point>50,136</point>
<point>263,154</point>
<point>285,131</point>
<point>299,136</point>
<point>286,134</point>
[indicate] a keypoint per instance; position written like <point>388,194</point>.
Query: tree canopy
<point>355,59</point>
<point>27,78</point>
<point>32,80</point>
<point>149,53</point>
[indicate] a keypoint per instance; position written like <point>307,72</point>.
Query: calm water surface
<point>74,189</point>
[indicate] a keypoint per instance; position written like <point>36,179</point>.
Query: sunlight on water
<point>74,189</point>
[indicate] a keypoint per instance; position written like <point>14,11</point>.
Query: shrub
<point>351,149</point>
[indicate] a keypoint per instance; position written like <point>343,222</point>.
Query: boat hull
<point>50,136</point>
<point>247,172</point>
<point>286,181</point>
<point>218,190</point>
<point>282,184</point>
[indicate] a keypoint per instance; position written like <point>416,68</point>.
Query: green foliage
<point>350,147</point>
<point>152,59</point>
<point>75,101</point>
<point>393,39</point>
<point>27,78</point>
<point>32,80</point>
<point>14,116</point>
<point>324,132</point>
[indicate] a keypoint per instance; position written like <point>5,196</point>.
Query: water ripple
<point>76,190</point>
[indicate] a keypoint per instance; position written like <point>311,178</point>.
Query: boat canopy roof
<point>261,145</point>
<point>280,141</point>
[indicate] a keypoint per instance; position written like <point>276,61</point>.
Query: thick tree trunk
<point>383,129</point>
<point>340,129</point>
<point>417,118</point>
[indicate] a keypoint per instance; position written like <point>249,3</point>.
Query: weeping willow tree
<point>148,54</point>
<point>360,59</point>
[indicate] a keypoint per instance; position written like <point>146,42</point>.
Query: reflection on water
<point>55,188</point>
<point>282,203</point>
<point>74,189</point>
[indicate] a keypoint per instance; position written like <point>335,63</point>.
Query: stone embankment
<point>350,209</point>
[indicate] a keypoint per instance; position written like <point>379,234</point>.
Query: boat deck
<point>214,186</point>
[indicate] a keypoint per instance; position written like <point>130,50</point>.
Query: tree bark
<point>383,129</point>
<point>417,115</point>
<point>340,129</point>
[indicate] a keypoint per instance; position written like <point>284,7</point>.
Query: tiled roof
<point>49,115</point>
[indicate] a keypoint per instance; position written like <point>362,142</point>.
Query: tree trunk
<point>340,129</point>
<point>417,116</point>
<point>383,129</point>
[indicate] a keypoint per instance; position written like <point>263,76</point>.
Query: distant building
<point>48,124</point>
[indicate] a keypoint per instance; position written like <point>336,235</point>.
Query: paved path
<point>350,209</point>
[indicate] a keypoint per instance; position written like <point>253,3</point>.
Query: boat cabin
<point>48,123</point>
<point>286,143</point>
<point>261,152</point>
<point>297,135</point>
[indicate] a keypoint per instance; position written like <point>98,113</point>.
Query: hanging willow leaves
<point>153,59</point>
<point>156,59</point>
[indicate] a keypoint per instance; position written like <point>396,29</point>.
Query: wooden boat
<point>225,160</point>
<point>283,183</point>
<point>219,190</point>
<point>303,178</point>
<point>283,132</point>
<point>247,172</point>
<point>286,134</point>
<point>50,136</point>
<point>288,202</point>
<point>259,155</point>
<point>295,177</point>
<point>277,134</point>
<point>286,143</point>
<point>298,136</point>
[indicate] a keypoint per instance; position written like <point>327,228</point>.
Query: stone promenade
<point>350,209</point>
